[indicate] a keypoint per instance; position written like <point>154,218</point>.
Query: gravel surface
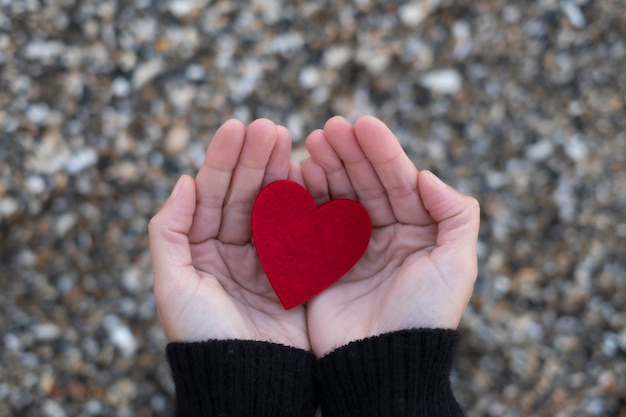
<point>103,104</point>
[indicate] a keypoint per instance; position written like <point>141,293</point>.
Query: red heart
<point>304,249</point>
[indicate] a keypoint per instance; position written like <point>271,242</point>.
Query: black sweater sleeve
<point>399,374</point>
<point>242,378</point>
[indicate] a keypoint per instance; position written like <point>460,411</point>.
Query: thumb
<point>457,216</point>
<point>168,230</point>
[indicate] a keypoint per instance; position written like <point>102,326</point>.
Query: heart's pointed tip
<point>289,303</point>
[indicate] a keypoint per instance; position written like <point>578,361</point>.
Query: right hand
<point>419,268</point>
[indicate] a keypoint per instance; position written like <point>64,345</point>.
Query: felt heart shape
<point>305,249</point>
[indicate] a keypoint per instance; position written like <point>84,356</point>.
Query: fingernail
<point>177,187</point>
<point>437,180</point>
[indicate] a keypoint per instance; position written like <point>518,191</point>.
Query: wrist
<point>396,374</point>
<point>242,378</point>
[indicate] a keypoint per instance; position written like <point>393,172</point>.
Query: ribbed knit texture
<point>242,378</point>
<point>399,374</point>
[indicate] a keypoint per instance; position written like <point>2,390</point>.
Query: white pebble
<point>337,56</point>
<point>182,8</point>
<point>576,148</point>
<point>64,224</point>
<point>177,139</point>
<point>574,14</point>
<point>81,160</point>
<point>539,151</point>
<point>287,42</point>
<point>295,125</point>
<point>93,407</point>
<point>12,343</point>
<point>445,81</point>
<point>35,184</point>
<point>43,50</point>
<point>146,72</point>
<point>38,113</point>
<point>309,77</point>
<point>131,280</point>
<point>8,206</point>
<point>120,335</point>
<point>195,72</point>
<point>120,87</point>
<point>52,409</point>
<point>245,85</point>
<point>46,331</point>
<point>412,14</point>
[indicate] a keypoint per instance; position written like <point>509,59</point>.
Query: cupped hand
<point>208,281</point>
<point>420,266</point>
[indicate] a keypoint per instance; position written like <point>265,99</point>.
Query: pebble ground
<point>103,104</point>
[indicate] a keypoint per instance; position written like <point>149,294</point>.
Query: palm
<point>408,276</point>
<point>243,304</point>
<point>369,299</point>
<point>208,280</point>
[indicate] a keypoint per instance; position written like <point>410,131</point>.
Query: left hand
<point>208,281</point>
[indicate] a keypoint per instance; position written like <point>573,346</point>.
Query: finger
<point>247,181</point>
<point>169,244</point>
<point>325,156</point>
<point>295,173</point>
<point>394,168</point>
<point>370,191</point>
<point>279,163</point>
<point>315,181</point>
<point>457,217</point>
<point>213,180</point>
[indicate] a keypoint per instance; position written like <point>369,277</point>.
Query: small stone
<point>576,148</point>
<point>444,81</point>
<point>337,56</point>
<point>595,407</point>
<point>146,72</point>
<point>43,50</point>
<point>462,36</point>
<point>241,87</point>
<point>183,8</point>
<point>309,77</point>
<point>38,113</point>
<point>120,335</point>
<point>81,160</point>
<point>539,151</point>
<point>46,382</point>
<point>46,331</point>
<point>610,344</point>
<point>120,87</point>
<point>412,14</point>
<point>64,224</point>
<point>195,72</point>
<point>295,125</point>
<point>565,200</point>
<point>574,14</point>
<point>177,139</point>
<point>181,96</point>
<point>131,280</point>
<point>11,343</point>
<point>93,407</point>
<point>52,409</point>
<point>35,184</point>
<point>8,207</point>
<point>287,42</point>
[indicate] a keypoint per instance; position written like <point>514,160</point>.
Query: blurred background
<point>104,104</point>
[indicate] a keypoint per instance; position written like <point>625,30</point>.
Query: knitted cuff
<point>404,373</point>
<point>242,378</point>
